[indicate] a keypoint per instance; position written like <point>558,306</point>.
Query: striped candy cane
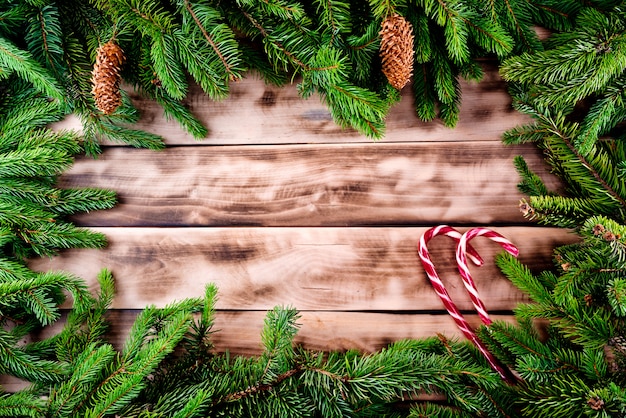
<point>452,233</point>
<point>438,285</point>
<point>461,260</point>
<point>441,291</point>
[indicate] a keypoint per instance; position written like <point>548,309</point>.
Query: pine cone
<point>396,50</point>
<point>596,403</point>
<point>106,77</point>
<point>615,354</point>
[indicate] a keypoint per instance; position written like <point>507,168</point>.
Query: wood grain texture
<point>280,206</point>
<point>321,269</point>
<point>239,332</point>
<point>256,113</point>
<point>308,185</point>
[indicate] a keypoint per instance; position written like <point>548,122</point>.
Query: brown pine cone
<point>106,77</point>
<point>396,50</point>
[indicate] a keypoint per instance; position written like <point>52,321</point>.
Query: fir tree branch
<point>516,22</point>
<point>513,338</point>
<point>382,9</point>
<point>128,379</point>
<point>231,75</point>
<point>259,387</point>
<point>88,365</point>
<point>278,45</point>
<point>21,364</point>
<point>568,160</point>
<point>47,29</point>
<point>14,59</point>
<point>335,16</point>
<point>567,141</point>
<point>603,115</point>
<point>21,404</point>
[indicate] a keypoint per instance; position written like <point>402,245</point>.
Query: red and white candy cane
<point>441,291</point>
<point>461,260</point>
<point>452,233</point>
<point>438,285</point>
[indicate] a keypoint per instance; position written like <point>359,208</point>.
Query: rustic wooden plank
<point>320,269</point>
<point>239,332</point>
<point>256,113</point>
<point>11,384</point>
<point>308,185</point>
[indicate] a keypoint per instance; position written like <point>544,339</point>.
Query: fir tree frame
<point>282,363</point>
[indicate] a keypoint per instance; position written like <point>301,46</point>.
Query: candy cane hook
<point>441,291</point>
<point>471,253</point>
<point>436,282</point>
<point>452,233</point>
<point>461,260</point>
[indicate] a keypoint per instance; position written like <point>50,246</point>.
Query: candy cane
<point>436,282</point>
<point>452,233</point>
<point>430,268</point>
<point>441,291</point>
<point>461,260</point>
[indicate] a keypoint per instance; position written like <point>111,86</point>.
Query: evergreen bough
<point>573,364</point>
<point>33,222</point>
<point>331,48</point>
<point>575,91</point>
<point>568,346</point>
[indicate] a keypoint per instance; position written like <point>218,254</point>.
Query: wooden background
<point>279,206</point>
